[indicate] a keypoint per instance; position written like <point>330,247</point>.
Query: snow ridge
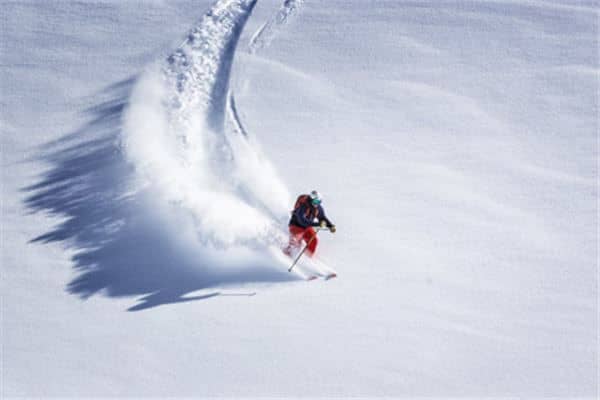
<point>175,135</point>
<point>199,69</point>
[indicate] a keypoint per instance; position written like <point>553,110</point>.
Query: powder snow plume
<point>176,135</point>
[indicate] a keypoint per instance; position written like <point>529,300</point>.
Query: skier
<point>307,214</point>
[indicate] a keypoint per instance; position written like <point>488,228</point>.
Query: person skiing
<point>307,214</point>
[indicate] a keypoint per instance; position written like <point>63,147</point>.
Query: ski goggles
<point>316,202</point>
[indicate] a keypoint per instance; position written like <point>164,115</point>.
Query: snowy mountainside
<point>146,173</point>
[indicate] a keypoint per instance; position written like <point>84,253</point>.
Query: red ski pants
<point>297,234</point>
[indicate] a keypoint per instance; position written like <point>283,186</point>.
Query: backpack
<point>302,200</point>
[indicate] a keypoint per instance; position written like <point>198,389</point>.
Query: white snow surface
<point>151,152</point>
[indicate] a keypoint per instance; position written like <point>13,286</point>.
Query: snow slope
<point>147,171</point>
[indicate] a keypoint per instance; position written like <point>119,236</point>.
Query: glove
<point>332,229</point>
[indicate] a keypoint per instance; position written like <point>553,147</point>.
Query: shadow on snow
<point>117,251</point>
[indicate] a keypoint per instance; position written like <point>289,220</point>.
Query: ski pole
<point>304,249</point>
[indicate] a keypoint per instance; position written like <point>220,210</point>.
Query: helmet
<point>315,198</point>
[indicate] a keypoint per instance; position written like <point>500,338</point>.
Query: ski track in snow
<point>263,37</point>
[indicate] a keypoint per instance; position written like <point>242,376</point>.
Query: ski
<point>324,277</point>
<point>307,269</point>
<point>316,275</point>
